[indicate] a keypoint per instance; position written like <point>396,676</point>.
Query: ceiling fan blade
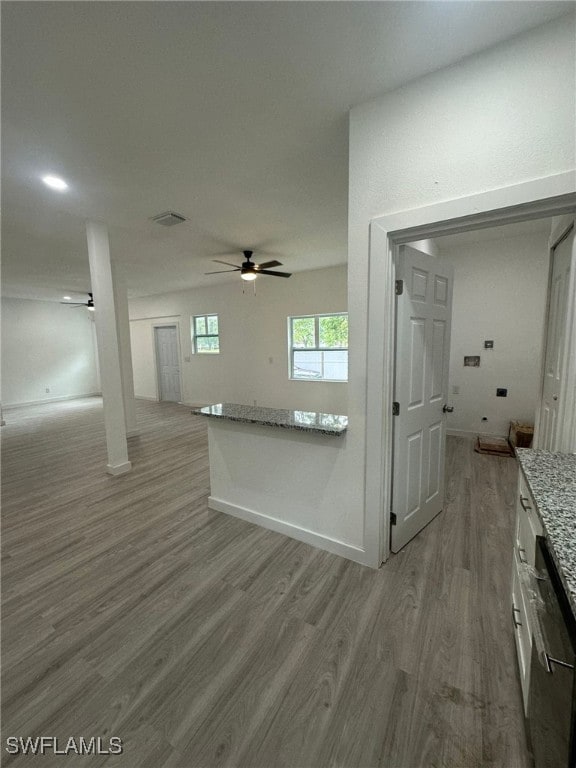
<point>228,264</point>
<point>268,264</point>
<point>222,271</point>
<point>275,274</point>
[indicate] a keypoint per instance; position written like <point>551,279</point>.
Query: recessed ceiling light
<point>55,182</point>
<point>66,298</point>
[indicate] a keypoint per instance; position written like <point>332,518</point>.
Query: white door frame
<point>167,324</point>
<point>566,439</point>
<point>546,197</point>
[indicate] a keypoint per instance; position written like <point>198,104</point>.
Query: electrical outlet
<point>47,390</point>
<point>489,344</point>
<point>455,389</point>
<point>501,392</point>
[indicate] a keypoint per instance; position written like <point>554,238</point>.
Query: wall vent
<point>168,218</point>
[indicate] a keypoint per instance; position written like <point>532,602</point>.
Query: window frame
<point>316,348</point>
<point>196,336</point>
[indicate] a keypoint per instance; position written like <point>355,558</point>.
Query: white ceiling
<point>233,114</point>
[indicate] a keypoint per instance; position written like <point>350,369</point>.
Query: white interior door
<point>555,356</point>
<point>168,363</point>
<point>423,315</point>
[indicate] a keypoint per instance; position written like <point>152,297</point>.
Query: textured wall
<point>499,294</point>
<point>496,119</point>
<point>46,345</point>
<point>253,360</point>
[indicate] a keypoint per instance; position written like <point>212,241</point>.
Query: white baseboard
<point>119,469</point>
<point>133,433</point>
<point>145,397</point>
<point>8,406</point>
<point>294,531</point>
<point>466,433</point>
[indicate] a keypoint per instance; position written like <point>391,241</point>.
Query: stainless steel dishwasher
<point>551,708</point>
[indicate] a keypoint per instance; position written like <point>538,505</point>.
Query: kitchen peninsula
<point>278,468</point>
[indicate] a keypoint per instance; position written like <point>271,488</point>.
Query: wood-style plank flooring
<point>132,610</point>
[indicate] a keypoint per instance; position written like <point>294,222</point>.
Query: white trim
<point>567,429</point>
<point>566,438</point>
<point>145,397</point>
<point>152,317</point>
<point>9,406</point>
<point>119,469</point>
<point>379,380</point>
<point>335,546</point>
<point>550,196</point>
<point>540,198</point>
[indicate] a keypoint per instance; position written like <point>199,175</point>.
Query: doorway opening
<point>553,197</point>
<point>467,368</point>
<point>167,346</point>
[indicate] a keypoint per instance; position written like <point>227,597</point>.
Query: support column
<point>108,348</point>
<point>123,329</point>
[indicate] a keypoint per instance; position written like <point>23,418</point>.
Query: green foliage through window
<point>206,335</point>
<point>319,347</point>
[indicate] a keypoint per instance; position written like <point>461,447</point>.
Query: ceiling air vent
<point>169,218</point>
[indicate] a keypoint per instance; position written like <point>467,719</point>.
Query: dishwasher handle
<point>549,661</point>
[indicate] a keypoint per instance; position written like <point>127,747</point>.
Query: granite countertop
<point>551,478</point>
<point>306,421</point>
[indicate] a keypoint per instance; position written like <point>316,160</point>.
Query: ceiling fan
<point>88,304</point>
<point>249,270</point>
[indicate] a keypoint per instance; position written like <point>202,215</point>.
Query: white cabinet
<point>522,634</point>
<point>528,526</point>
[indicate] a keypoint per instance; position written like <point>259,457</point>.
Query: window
<point>318,347</point>
<point>205,334</point>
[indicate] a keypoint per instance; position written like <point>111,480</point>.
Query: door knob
<point>448,409</point>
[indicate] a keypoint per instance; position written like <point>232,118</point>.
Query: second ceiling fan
<point>88,304</point>
<point>249,270</point>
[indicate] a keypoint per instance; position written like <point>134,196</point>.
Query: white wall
<point>496,119</point>
<point>253,360</point>
<point>499,294</point>
<point>46,345</point>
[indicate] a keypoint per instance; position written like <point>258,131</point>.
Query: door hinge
<point>392,518</point>
<point>399,287</point>
<point>395,409</point>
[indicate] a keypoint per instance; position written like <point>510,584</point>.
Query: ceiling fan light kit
<point>249,271</point>
<point>88,304</point>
